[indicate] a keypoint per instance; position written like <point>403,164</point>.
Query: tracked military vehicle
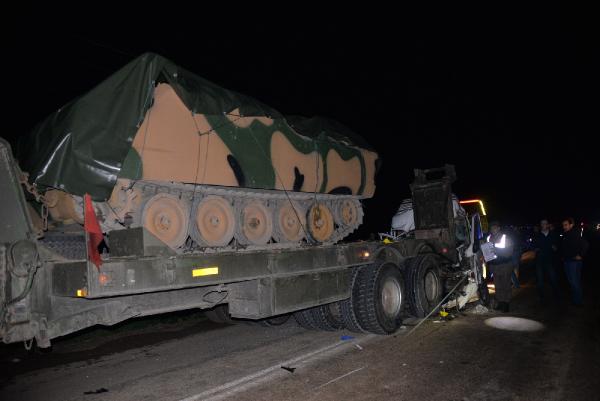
<point>196,165</point>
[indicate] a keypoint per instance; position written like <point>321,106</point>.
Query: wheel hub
<point>215,221</point>
<point>290,222</point>
<point>256,224</point>
<point>431,286</point>
<point>321,222</point>
<point>167,217</point>
<point>391,297</point>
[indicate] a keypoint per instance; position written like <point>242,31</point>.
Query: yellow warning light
<point>387,241</point>
<point>475,201</point>
<point>205,271</point>
<point>82,292</point>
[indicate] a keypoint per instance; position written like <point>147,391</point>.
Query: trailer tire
<point>327,317</point>
<point>305,319</point>
<point>378,296</point>
<point>425,287</point>
<point>219,314</point>
<point>274,321</point>
<point>348,315</point>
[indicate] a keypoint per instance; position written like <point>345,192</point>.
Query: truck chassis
<point>49,287</point>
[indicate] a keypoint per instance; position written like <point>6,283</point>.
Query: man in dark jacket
<point>573,250</point>
<point>503,266</point>
<point>545,244</point>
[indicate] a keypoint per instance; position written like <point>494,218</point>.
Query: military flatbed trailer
<point>50,288</point>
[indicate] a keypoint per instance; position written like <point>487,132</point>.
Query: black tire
<point>378,298</point>
<point>425,287</point>
<point>274,321</point>
<point>219,314</point>
<point>348,315</point>
<point>327,317</point>
<point>305,319</point>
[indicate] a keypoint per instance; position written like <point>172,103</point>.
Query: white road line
<point>256,378</point>
<point>340,377</point>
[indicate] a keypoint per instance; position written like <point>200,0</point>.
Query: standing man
<point>545,244</point>
<point>573,249</point>
<point>516,256</point>
<point>503,266</point>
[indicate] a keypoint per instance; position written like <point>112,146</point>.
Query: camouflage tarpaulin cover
<point>81,148</point>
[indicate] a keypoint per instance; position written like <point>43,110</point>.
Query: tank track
<point>237,196</point>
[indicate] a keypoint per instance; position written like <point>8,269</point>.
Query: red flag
<point>93,230</point>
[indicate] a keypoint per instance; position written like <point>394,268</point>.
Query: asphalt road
<point>184,357</point>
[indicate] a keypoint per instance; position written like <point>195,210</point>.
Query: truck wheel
<point>349,318</point>
<point>274,321</point>
<point>327,317</point>
<point>425,285</point>
<point>305,319</point>
<point>378,297</point>
<point>219,314</point>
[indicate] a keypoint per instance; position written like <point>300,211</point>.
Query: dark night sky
<point>511,101</point>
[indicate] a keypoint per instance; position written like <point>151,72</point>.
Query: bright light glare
<point>502,243</point>
<point>514,323</point>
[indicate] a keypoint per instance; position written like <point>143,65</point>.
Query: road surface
<point>184,357</point>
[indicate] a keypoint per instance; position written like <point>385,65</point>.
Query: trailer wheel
<point>378,297</point>
<point>274,321</point>
<point>327,317</point>
<point>425,285</point>
<point>219,314</point>
<point>348,315</point>
<point>305,319</point>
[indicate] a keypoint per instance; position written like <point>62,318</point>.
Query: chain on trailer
<point>31,189</point>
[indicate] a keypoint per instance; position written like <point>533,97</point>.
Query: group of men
<point>550,248</point>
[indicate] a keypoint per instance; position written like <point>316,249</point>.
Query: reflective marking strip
<point>205,271</point>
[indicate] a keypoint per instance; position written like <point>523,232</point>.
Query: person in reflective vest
<point>503,266</point>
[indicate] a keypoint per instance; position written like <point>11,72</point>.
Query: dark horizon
<point>512,109</point>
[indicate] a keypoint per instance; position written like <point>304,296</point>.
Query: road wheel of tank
<point>290,222</point>
<point>214,221</point>
<point>378,298</point>
<point>347,311</point>
<point>305,319</point>
<point>348,213</point>
<point>320,222</point>
<point>425,284</point>
<point>167,218</point>
<point>219,314</point>
<point>327,317</point>
<point>255,223</point>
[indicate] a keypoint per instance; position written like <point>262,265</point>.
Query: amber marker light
<point>464,202</point>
